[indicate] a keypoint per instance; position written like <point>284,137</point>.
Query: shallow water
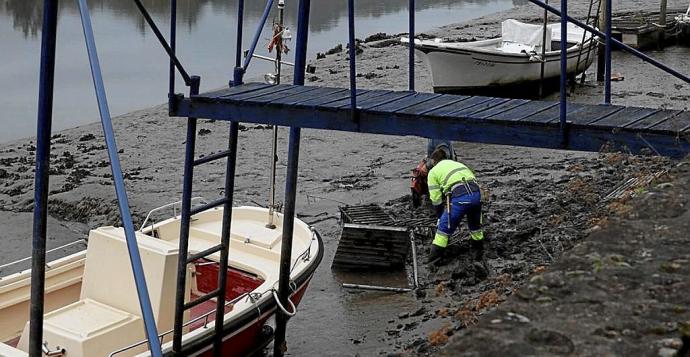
<point>134,66</point>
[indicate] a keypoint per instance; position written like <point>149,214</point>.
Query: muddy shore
<point>543,202</point>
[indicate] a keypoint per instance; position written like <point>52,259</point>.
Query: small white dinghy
<point>91,300</point>
<point>512,60</point>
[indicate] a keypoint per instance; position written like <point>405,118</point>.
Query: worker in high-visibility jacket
<point>454,192</point>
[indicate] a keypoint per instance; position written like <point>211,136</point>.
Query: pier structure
<point>555,125</point>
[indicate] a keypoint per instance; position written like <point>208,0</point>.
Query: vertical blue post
<point>173,41</point>
<point>607,56</point>
<point>119,183</point>
<point>352,53</point>
<point>564,69</point>
<point>185,218</point>
<point>279,345</point>
<point>411,49</point>
<point>41,183</point>
<point>238,72</point>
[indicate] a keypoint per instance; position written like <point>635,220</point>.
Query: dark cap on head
<point>438,155</point>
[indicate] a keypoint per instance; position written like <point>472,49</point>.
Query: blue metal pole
<point>173,41</point>
<point>238,73</point>
<point>411,49</point>
<point>352,53</point>
<point>564,68</point>
<point>607,55</point>
<point>163,42</point>
<point>120,190</point>
<point>617,43</point>
<point>41,183</point>
<point>279,344</point>
<point>257,34</point>
<point>185,218</point>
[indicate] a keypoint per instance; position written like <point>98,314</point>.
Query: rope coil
<point>281,307</point>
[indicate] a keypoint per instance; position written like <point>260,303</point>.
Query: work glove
<point>416,198</point>
<point>439,210</point>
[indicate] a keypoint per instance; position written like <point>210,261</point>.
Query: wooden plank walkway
<point>480,119</point>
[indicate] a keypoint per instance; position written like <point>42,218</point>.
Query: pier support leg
<point>44,123</point>
<point>601,48</point>
<point>279,344</point>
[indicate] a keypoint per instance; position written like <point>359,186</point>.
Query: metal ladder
<point>592,20</point>
<point>186,213</point>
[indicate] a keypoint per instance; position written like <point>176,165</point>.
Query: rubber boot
<point>477,249</point>
<point>435,254</point>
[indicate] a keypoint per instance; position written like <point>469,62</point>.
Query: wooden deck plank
<point>336,96</point>
<point>675,124</point>
<point>305,96</point>
<point>509,105</point>
<point>591,113</point>
<point>257,93</point>
<point>244,88</point>
<point>324,95</point>
<point>523,111</point>
<point>383,100</point>
<point>625,117</point>
<point>553,114</point>
<point>270,97</point>
<point>468,103</point>
<point>225,92</point>
<point>469,112</point>
<point>404,103</point>
<point>345,103</point>
<point>433,104</point>
<point>653,119</point>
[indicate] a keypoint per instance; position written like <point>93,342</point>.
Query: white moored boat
<point>512,60</point>
<point>91,305</point>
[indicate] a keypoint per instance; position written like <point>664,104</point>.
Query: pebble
<point>666,352</point>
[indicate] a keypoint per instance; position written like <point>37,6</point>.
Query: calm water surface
<point>134,65</point>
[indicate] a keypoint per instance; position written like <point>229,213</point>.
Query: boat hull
<point>470,71</point>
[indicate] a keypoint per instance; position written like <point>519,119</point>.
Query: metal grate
<point>367,215</point>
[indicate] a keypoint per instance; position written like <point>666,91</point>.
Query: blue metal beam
<point>607,55</point>
<point>353,53</point>
<point>257,34</point>
<point>238,72</point>
<point>42,176</point>
<point>411,20</point>
<point>118,181</point>
<point>564,70</point>
<point>163,42</point>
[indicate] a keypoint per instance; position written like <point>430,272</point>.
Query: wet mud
<point>543,203</point>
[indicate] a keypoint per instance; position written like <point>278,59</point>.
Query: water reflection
<point>135,67</point>
<point>26,14</point>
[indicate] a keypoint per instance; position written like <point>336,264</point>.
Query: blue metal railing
<point>118,181</point>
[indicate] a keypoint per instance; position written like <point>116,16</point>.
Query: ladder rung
<point>202,299</point>
<point>209,158</point>
<point>208,206</point>
<point>204,253</point>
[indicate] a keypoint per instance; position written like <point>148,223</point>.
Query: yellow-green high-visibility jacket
<point>444,176</point>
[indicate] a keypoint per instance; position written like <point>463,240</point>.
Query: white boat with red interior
<point>91,305</point>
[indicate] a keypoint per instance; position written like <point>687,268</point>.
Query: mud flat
<point>543,202</point>
<point>623,291</point>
